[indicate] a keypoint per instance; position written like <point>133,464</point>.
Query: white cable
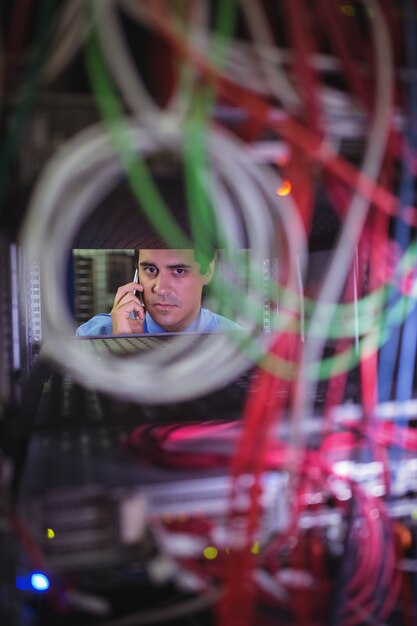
<point>125,72</point>
<point>240,65</point>
<point>355,297</point>
<point>301,299</point>
<point>69,36</point>
<point>80,175</point>
<point>277,81</point>
<point>114,46</point>
<point>336,275</point>
<point>264,231</point>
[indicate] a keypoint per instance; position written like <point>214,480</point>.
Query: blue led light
<point>22,583</point>
<point>39,581</point>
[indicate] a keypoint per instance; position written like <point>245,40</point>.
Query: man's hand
<point>125,303</point>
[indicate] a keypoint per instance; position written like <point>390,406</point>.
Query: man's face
<point>173,286</point>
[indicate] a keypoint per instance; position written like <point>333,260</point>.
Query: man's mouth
<point>164,306</point>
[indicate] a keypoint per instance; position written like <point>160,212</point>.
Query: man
<point>170,285</point>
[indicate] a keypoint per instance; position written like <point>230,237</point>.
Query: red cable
<point>291,130</point>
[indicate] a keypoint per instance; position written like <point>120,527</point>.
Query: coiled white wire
<point>80,175</point>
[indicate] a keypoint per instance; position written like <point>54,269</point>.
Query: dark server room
<point>208,324</point>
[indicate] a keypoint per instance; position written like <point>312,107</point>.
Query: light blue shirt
<point>205,322</point>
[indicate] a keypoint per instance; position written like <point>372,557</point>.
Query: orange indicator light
<point>285,188</point>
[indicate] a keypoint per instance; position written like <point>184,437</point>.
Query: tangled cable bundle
<point>248,95</point>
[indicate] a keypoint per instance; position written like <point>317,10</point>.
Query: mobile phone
<point>138,294</point>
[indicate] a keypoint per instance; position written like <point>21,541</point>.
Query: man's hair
<point>203,257</point>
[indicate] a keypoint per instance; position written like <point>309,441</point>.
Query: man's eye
<point>150,270</point>
<point>179,271</point>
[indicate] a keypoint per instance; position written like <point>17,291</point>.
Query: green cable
<point>138,175</point>
<point>157,213</point>
<point>201,213</point>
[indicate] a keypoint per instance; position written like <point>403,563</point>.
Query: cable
<point>69,35</point>
<point>278,83</point>
<point>336,274</point>
<point>89,167</point>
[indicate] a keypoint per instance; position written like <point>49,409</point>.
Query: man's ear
<point>209,274</point>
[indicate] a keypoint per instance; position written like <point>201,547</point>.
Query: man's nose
<point>162,284</point>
